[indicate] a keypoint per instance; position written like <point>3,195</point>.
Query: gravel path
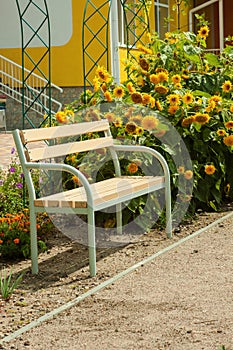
<point>181,300</point>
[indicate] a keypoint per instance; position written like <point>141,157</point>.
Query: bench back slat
<point>33,135</point>
<point>64,149</point>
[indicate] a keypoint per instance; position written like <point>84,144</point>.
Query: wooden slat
<point>103,191</point>
<point>33,135</point>
<point>68,148</point>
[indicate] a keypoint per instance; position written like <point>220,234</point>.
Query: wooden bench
<point>88,198</point>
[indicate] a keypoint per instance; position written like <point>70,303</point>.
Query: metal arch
<point>29,33</point>
<point>92,11</point>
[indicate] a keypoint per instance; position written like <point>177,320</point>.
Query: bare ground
<point>181,300</point>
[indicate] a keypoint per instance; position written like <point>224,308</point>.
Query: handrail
<point>11,84</point>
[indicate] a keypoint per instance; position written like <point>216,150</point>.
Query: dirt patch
<point>64,275</point>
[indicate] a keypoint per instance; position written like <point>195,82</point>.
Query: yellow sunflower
<point>188,174</point>
<point>227,86</point>
<point>221,132</point>
<point>118,122</point>
<point>229,124</point>
<point>131,127</point>
<point>231,108</point>
<point>146,99</point>
<point>103,74</point>
<point>173,99</point>
<point>149,122</point>
<point>203,32</point>
<point>136,97</point>
<point>228,140</point>
<point>162,76</point>
<point>172,109</point>
<point>108,96</point>
<point>201,118</point>
<point>176,79</point>
<point>158,106</point>
<point>132,168</point>
<point>187,121</point>
<point>118,92</point>
<point>162,90</point>
<point>130,87</point>
<point>188,98</point>
<point>154,79</point>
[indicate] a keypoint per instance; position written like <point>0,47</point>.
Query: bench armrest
<point>68,168</point>
<point>154,153</point>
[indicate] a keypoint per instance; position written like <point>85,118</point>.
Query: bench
<point>88,198</point>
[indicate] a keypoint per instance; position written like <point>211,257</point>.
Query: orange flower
<point>180,169</point>
<point>16,240</point>
<point>130,87</point>
<point>132,168</point>
<point>1,241</point>
<point>146,99</point>
<point>154,79</point>
<point>228,140</point>
<point>210,169</point>
<point>188,174</point>
<point>108,96</point>
<point>172,109</point>
<point>229,125</point>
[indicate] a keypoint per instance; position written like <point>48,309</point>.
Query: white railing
<point>35,95</point>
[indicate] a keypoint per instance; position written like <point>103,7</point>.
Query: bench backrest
<point>51,150</point>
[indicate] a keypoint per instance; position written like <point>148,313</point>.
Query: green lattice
<point>31,32</point>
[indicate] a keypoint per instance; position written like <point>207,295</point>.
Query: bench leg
<point>119,218</point>
<point>33,239</point>
<point>91,242</point>
<point>168,213</point>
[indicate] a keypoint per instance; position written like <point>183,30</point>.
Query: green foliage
<point>192,91</point>
<point>7,285</point>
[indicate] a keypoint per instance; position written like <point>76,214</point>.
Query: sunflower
<point>144,64</point>
<point>96,84</point>
<point>221,132</point>
<point>130,87</point>
<point>149,122</point>
<point>136,119</point>
<point>158,106</point>
<point>154,79</point>
<point>162,76</point>
<point>139,130</point>
<point>211,106</point>
<point>180,169</point>
<point>188,174</point>
<point>203,32</point>
<point>210,169</point>
<point>187,121</point>
<point>201,118</point>
<point>118,92</point>
<point>152,102</point>
<point>188,98</point>
<point>144,49</point>
<point>176,79</point>
<point>61,117</point>
<point>108,96</point>
<point>146,99</point>
<point>110,117</point>
<point>118,122</point>
<point>227,86</point>
<point>104,87</point>
<point>173,99</point>
<point>231,108</point>
<point>132,168</point>
<point>102,74</point>
<point>136,97</point>
<point>228,140</point>
<point>178,86</point>
<point>131,127</point>
<point>229,125</point>
<point>162,90</point>
<point>172,109</point>
<point>217,99</point>
<point>76,180</point>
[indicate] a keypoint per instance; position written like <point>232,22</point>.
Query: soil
<point>64,275</point>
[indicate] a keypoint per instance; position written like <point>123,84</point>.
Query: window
<point>161,12</point>
<point>130,14</point>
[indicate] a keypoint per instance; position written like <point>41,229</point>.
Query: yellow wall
<point>67,65</point>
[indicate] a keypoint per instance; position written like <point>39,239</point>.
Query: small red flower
<point>16,241</point>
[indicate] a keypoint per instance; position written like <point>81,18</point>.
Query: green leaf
<point>212,59</point>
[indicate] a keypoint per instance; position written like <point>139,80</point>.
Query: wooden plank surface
<point>102,191</point>
<point>33,135</point>
<point>64,149</point>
